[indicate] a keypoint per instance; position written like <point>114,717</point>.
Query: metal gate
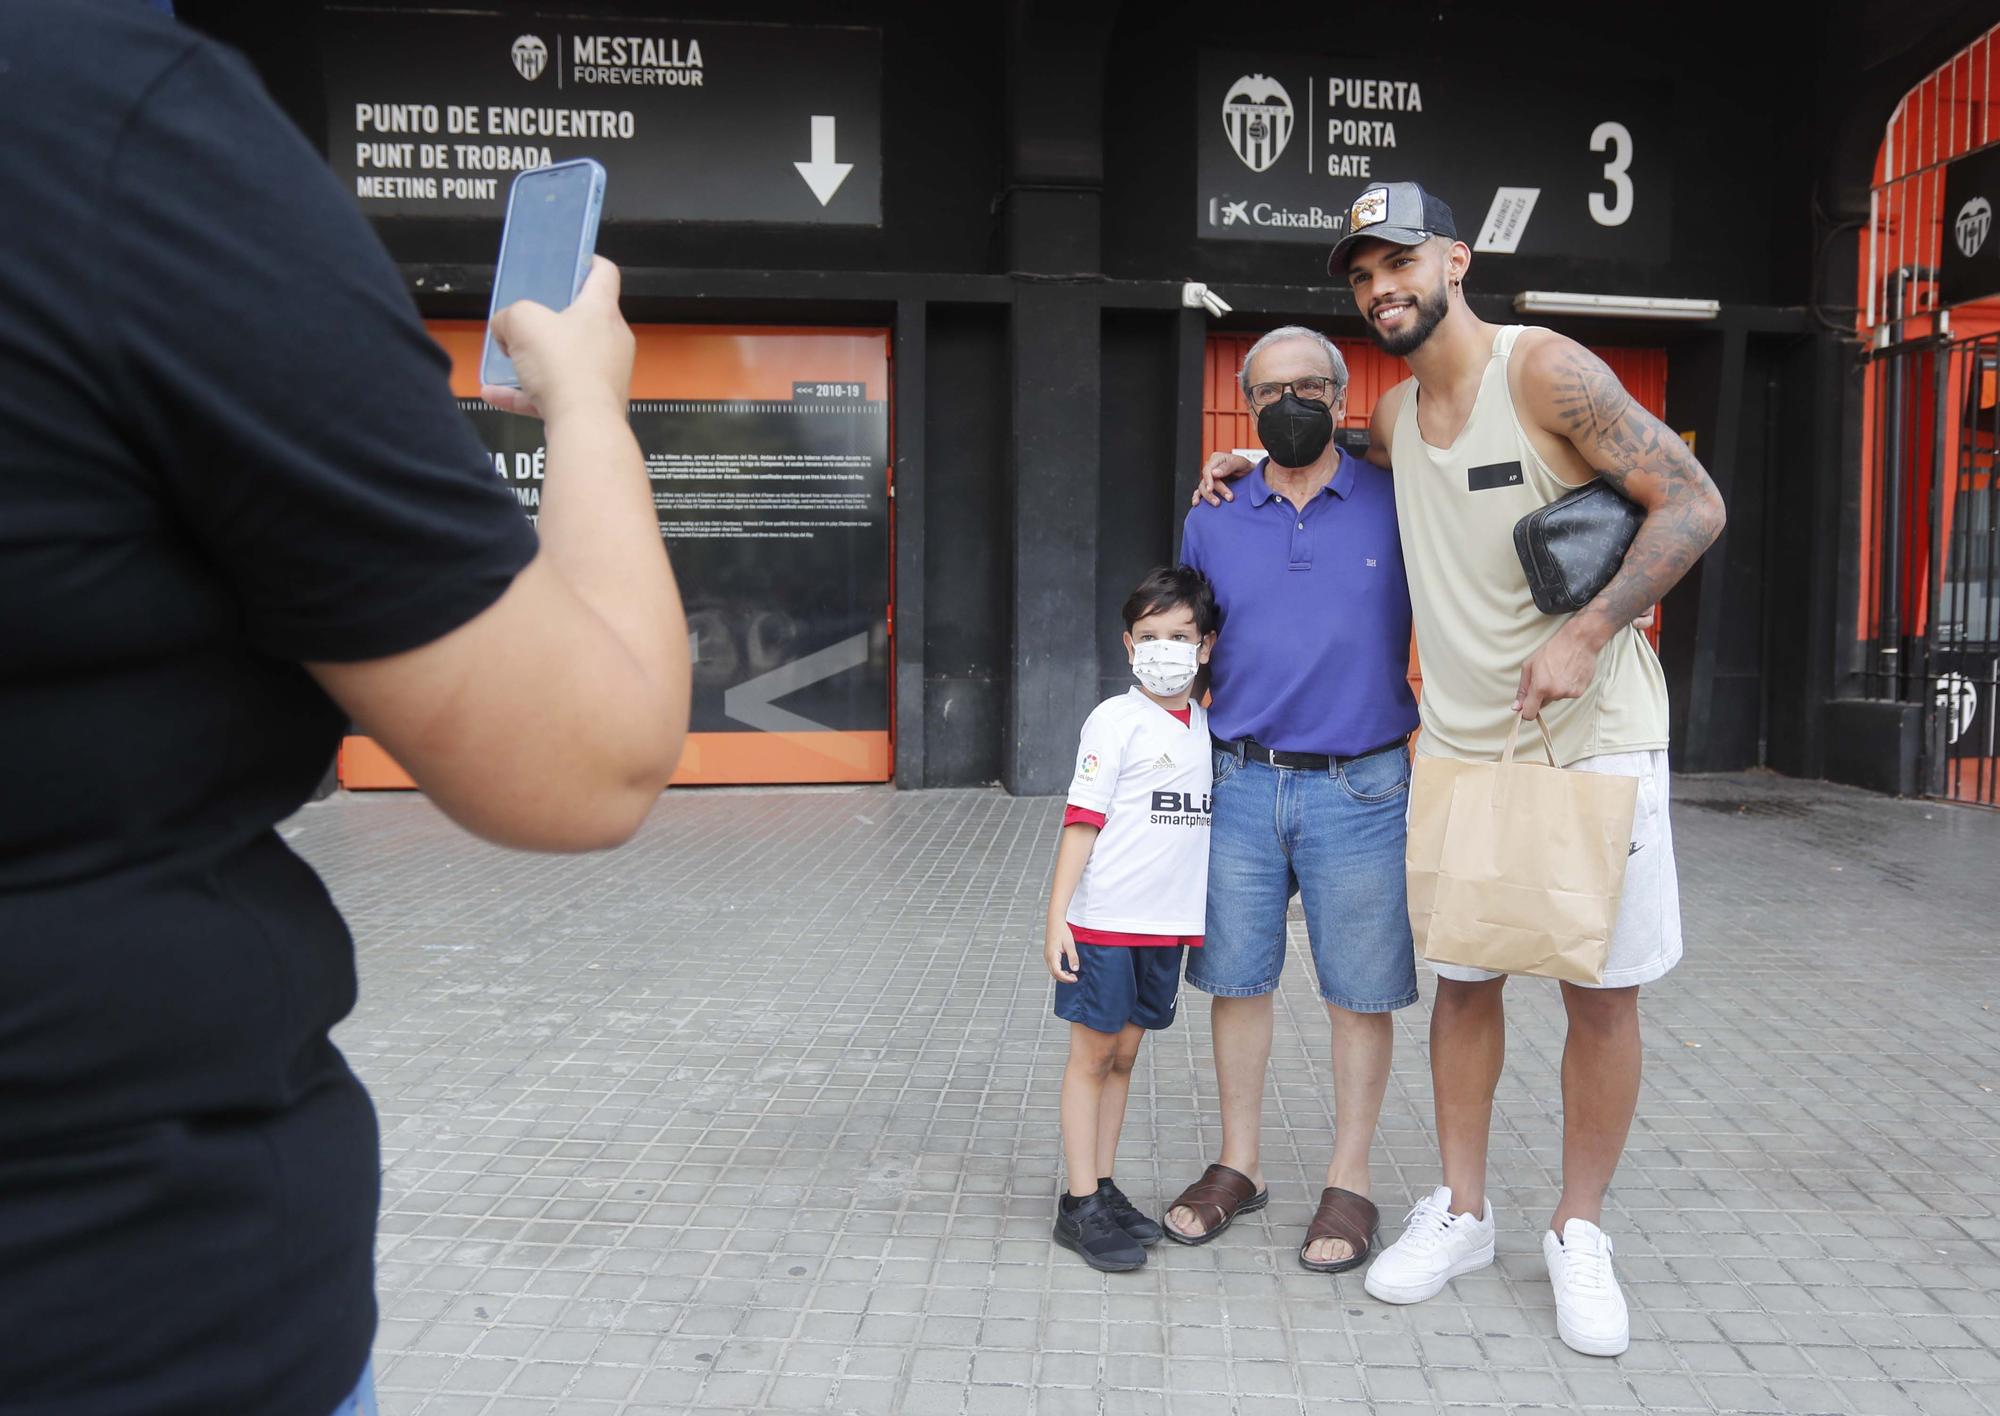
<point>1931,565</point>
<point>1928,612</point>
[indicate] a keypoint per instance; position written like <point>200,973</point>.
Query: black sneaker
<point>1092,1230</point>
<point>1143,1228</point>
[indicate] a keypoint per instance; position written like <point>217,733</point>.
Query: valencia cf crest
<point>531,56</point>
<point>1975,219</point>
<point>1257,116</point>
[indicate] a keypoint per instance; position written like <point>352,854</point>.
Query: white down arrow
<point>823,174</point>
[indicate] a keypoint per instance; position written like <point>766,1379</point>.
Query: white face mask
<point>1164,666</point>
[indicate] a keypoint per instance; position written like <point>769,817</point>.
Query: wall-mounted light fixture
<point>1637,307</point>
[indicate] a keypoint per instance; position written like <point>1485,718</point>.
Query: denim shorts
<point>1335,838</point>
<point>362,1402</point>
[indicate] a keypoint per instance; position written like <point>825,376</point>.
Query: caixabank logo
<point>1224,212</point>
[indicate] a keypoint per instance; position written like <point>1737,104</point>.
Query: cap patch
<point>1371,208</point>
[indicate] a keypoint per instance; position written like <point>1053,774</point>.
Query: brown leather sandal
<point>1348,1217</point>
<point>1217,1198</point>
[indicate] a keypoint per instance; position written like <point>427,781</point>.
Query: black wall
<point>968,529</point>
<point>1038,194</point>
<point>1800,626</point>
<point>1723,158</point>
<point>943,114</point>
<point>1137,459</point>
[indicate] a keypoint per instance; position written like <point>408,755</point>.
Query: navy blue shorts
<point>1118,984</point>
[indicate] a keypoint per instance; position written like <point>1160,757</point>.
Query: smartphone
<point>545,247</point>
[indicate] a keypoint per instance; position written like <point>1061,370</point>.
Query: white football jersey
<point>1151,777</point>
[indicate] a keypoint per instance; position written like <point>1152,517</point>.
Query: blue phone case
<point>494,366</point>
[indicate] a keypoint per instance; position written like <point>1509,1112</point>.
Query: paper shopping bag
<point>1431,783</point>
<point>1519,867</point>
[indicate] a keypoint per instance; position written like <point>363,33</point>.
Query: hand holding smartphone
<point>545,249</point>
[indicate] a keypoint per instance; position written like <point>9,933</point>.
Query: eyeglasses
<point>1313,390</point>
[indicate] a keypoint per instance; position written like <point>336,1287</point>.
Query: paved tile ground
<point>759,1115</point>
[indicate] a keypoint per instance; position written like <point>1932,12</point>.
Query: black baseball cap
<point>1401,213</point>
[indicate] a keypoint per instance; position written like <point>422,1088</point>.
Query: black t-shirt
<point>226,447</point>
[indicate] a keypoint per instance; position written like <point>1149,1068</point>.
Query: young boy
<point>1129,894</point>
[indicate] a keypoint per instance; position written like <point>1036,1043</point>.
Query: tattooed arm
<point>1586,424</point>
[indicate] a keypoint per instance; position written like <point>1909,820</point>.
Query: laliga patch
<point>1371,208</point>
<point>1087,769</point>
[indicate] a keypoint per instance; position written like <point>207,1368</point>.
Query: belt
<point>1250,750</point>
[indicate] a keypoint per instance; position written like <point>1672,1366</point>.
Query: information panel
<point>430,114</point>
<point>768,453</point>
<point>1575,168</point>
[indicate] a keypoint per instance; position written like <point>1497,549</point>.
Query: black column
<point>907,375</point>
<point>1805,618</point>
<point>1190,379</point>
<point>1055,172</point>
<point>1704,394</point>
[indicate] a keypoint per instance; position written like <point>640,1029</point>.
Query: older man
<point>1311,713</point>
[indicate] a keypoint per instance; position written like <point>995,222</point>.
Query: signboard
<point>430,114</point>
<point>769,455</point>
<point>1575,168</point>
<point>1969,265</point>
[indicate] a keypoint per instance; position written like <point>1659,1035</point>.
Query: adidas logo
<point>1166,760</point>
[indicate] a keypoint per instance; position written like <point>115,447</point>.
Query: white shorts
<point>1646,941</point>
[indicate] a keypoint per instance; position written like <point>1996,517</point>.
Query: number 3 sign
<point>1619,139</point>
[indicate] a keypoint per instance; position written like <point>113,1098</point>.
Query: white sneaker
<point>1590,1311</point>
<point>1436,1247</point>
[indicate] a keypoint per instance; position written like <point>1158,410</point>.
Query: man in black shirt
<point>237,509</point>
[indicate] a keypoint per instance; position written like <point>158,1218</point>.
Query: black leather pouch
<point>1572,547</point>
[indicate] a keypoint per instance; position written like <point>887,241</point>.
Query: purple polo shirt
<point>1314,649</point>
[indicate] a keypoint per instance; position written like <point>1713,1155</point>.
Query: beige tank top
<point>1476,622</point>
